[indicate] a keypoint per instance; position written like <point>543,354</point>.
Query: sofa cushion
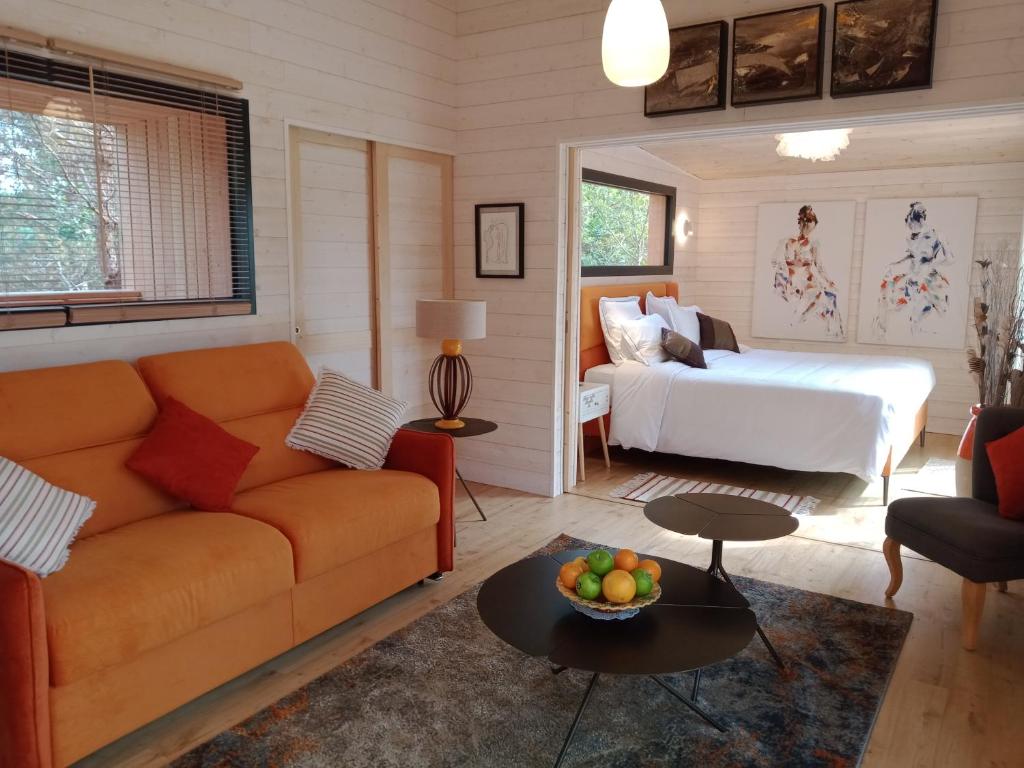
<point>137,587</point>
<point>334,517</point>
<point>965,535</point>
<point>192,457</point>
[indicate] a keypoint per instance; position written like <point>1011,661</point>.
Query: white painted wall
<point>530,78</point>
<point>726,242</point>
<point>382,68</point>
<point>638,164</point>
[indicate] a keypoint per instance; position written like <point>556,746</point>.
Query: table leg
<point>696,709</point>
<point>696,683</point>
<point>716,569</point>
<point>471,496</point>
<point>604,442</point>
<point>576,720</point>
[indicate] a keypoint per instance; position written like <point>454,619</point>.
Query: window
<point>626,226</point>
<point>121,198</point>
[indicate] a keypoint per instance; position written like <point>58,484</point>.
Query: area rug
<point>937,477</point>
<point>650,485</point>
<point>445,691</point>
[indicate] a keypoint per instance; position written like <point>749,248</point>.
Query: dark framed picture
<point>500,239</point>
<point>696,74</point>
<point>778,56</point>
<point>881,46</point>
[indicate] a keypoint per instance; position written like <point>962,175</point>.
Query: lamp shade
<point>450,319</point>
<point>635,42</point>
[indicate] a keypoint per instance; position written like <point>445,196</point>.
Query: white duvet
<point>795,410</point>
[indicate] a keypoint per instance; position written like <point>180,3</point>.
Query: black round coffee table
<point>721,517</point>
<point>699,620</point>
<point>473,428</point>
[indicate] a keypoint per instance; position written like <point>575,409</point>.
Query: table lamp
<point>450,380</point>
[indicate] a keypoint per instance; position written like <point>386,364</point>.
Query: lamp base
<point>449,423</point>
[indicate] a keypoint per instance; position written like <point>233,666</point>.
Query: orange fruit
<point>652,568</point>
<point>626,560</point>
<point>582,563</point>
<point>568,575</point>
<point>618,586</point>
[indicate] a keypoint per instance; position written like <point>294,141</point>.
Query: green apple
<point>588,585</point>
<point>600,562</point>
<point>644,582</point>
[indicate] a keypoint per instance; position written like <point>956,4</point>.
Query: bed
<point>805,411</point>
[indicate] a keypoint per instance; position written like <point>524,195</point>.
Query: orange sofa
<point>160,603</point>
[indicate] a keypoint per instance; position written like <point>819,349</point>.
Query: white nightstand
<point>595,403</point>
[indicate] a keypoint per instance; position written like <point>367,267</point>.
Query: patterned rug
<point>444,691</point>
<point>650,485</point>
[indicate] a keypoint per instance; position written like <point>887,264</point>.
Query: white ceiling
<point>964,141</point>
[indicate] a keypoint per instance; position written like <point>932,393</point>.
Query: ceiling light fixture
<point>634,44</point>
<point>813,145</point>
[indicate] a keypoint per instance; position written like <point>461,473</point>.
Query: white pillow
<point>682,320</point>
<point>613,313</point>
<point>347,422</point>
<point>643,339</point>
<point>38,521</point>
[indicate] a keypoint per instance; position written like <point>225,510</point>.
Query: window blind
<point>121,198</point>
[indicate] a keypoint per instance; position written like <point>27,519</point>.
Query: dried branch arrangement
<point>995,363</point>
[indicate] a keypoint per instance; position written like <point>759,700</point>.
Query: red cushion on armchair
<point>192,457</point>
<point>1006,455</point>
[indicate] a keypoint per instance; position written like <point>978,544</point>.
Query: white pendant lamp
<point>634,45</point>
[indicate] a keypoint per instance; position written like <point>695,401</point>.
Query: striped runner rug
<point>650,485</point>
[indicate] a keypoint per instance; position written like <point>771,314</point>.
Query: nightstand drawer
<point>594,401</point>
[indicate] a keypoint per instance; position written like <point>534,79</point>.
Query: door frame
<point>567,270</point>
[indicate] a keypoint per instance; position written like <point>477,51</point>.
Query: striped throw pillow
<point>347,422</point>
<point>38,521</point>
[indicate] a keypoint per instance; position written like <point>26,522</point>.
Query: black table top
<point>699,620</point>
<point>473,427</point>
<point>720,517</point>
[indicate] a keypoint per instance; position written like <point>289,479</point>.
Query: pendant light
<point>634,45</point>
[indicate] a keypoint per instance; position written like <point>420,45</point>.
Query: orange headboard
<point>592,348</point>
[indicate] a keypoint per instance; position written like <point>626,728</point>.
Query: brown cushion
<point>716,334</point>
<point>682,349</point>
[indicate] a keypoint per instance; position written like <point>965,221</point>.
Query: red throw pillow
<point>1006,455</point>
<point>192,457</point>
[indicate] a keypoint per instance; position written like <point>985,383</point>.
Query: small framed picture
<point>882,46</point>
<point>778,56</point>
<point>500,239</point>
<point>696,74</point>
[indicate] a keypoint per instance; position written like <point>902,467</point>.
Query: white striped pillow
<point>347,422</point>
<point>38,521</point>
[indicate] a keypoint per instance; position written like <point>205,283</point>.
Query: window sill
<point>28,317</point>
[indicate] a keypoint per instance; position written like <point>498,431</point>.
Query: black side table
<point>473,428</point>
<point>720,517</point>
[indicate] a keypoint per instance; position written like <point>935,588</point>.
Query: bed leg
<point>885,491</point>
<point>922,437</point>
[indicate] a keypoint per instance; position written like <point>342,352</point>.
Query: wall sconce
<point>684,227</point>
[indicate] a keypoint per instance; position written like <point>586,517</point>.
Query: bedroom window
<point>121,198</point>
<point>626,226</point>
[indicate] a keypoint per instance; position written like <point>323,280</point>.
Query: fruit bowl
<point>602,609</point>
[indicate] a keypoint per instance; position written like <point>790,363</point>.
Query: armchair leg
<point>973,595</point>
<point>891,550</point>
<point>1002,586</point>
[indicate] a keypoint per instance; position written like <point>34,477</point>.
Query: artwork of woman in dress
<point>799,277</point>
<point>915,288</point>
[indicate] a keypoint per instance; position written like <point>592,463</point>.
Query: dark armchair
<point>966,535</point>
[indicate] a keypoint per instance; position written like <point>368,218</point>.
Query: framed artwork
<point>500,239</point>
<point>882,45</point>
<point>802,271</point>
<point>915,283</point>
<point>696,74</point>
<point>778,56</point>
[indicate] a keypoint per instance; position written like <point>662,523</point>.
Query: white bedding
<point>795,410</point>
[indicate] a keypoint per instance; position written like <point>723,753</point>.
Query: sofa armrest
<point>24,671</point>
<point>433,456</point>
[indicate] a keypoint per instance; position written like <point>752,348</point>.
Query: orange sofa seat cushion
<point>337,516</point>
<point>137,587</point>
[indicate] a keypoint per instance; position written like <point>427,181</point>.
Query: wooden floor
<point>945,706</point>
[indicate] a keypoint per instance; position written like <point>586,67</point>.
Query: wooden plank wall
<point>530,77</point>
<point>724,279</point>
